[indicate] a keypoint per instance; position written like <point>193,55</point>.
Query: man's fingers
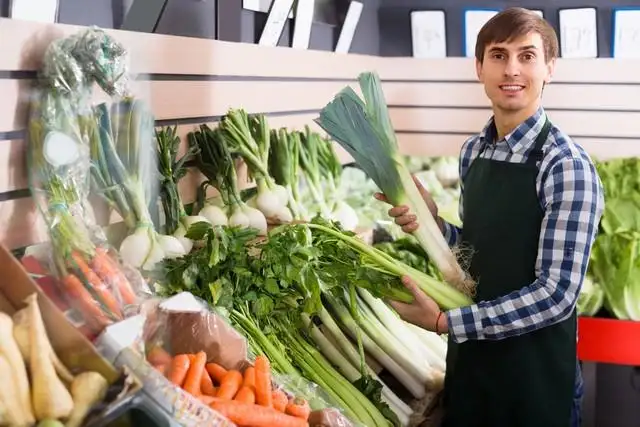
<point>406,219</point>
<point>380,197</point>
<point>410,228</point>
<point>423,191</point>
<point>399,307</point>
<point>398,211</point>
<point>413,287</point>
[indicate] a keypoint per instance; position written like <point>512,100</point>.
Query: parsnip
<point>87,389</point>
<point>9,349</point>
<point>12,410</point>
<point>21,331</point>
<point>51,399</point>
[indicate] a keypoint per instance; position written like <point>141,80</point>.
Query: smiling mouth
<point>511,88</point>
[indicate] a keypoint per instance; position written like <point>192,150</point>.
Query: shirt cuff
<point>450,232</point>
<point>465,323</point>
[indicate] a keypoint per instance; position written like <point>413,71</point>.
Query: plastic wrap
<point>61,123</point>
<point>184,325</point>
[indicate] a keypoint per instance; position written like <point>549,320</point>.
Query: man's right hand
<point>404,218</point>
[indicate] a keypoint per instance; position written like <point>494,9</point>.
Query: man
<point>531,202</point>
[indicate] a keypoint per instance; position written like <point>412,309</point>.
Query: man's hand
<point>406,219</point>
<point>423,311</point>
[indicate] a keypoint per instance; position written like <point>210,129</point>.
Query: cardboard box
<point>73,349</point>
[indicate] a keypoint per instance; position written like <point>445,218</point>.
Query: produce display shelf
<point>609,341</point>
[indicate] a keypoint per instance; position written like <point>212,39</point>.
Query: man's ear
<point>551,66</point>
<point>479,69</point>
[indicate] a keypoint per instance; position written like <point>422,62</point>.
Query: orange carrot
<point>298,407</point>
<point>250,377</point>
<point>216,371</point>
<point>245,395</point>
<point>103,264</point>
<point>194,376</point>
<point>179,369</point>
<point>280,400</point>
<point>230,385</point>
<point>99,286</point>
<point>158,356</point>
<point>206,385</point>
<point>89,307</point>
<point>246,414</point>
<point>192,357</point>
<point>207,400</point>
<point>263,381</point>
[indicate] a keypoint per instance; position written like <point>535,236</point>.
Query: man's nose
<point>512,68</point>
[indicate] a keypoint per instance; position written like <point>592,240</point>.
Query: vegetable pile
<point>314,290</point>
<point>37,386</point>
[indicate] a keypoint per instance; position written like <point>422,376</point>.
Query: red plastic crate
<point>609,341</point>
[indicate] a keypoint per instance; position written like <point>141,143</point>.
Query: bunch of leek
<point>250,138</point>
<point>124,171</point>
<point>284,167</point>
<point>214,160</point>
<point>364,129</point>
<point>172,169</point>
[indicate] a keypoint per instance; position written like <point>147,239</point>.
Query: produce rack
<point>189,82</point>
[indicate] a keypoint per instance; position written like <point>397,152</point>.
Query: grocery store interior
<point>190,232</point>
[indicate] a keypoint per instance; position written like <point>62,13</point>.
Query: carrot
<point>103,264</point>
<point>263,382</point>
<point>216,371</point>
<point>246,414</point>
<point>298,407</point>
<point>192,357</point>
<point>245,395</point>
<point>158,356</point>
<point>99,286</point>
<point>230,385</point>
<point>250,378</point>
<point>280,400</point>
<point>194,375</point>
<point>179,369</point>
<point>206,385</point>
<point>89,307</point>
<point>207,400</point>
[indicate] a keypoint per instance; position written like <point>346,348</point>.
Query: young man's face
<point>514,73</point>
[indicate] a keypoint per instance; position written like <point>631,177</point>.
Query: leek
<point>364,129</point>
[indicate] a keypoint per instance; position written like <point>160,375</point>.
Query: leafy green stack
<point>615,260</point>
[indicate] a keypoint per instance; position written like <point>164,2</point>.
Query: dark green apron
<point>522,381</point>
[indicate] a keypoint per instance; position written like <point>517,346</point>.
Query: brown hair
<point>515,22</point>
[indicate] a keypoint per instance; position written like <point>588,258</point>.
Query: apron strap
<point>536,154</point>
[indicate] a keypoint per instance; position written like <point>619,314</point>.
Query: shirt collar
<point>522,137</point>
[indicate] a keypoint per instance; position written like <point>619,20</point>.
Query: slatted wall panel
<point>434,104</point>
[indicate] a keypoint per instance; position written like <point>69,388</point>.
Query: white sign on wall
<point>428,34</point>
<point>578,33</point>
<point>626,33</point>
<point>34,10</point>
<point>474,20</point>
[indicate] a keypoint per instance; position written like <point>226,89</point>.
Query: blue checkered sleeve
<point>572,197</point>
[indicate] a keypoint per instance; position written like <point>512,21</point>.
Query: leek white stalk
<point>351,353</point>
<point>405,374</point>
<point>398,327</point>
<point>345,367</point>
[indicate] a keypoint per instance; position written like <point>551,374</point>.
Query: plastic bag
<point>184,325</point>
<point>61,122</point>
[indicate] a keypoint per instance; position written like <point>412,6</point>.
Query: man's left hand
<point>423,311</point>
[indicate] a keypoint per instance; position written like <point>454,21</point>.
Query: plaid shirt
<point>571,195</point>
